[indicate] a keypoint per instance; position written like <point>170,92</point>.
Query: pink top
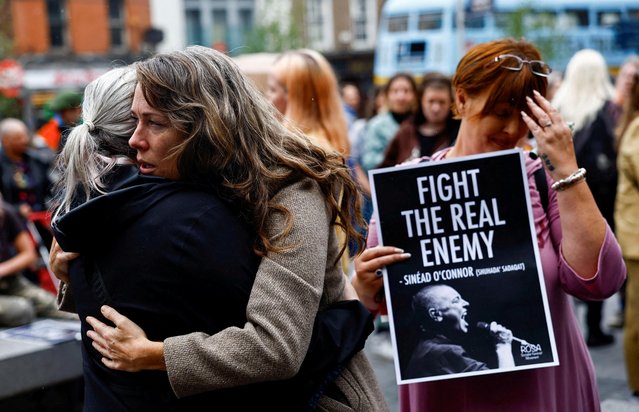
<point>571,386</point>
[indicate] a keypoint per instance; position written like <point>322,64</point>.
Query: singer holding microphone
<point>499,88</point>
<point>442,314</point>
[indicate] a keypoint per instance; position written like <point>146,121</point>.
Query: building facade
<point>64,44</point>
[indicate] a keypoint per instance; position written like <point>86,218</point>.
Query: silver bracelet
<point>575,177</point>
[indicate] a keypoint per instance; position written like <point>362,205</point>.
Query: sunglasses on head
<point>516,63</point>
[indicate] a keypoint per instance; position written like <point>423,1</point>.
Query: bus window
<point>411,52</point>
<point>429,21</point>
<point>575,18</point>
<point>540,19</point>
<point>608,18</point>
<point>474,21</point>
<point>471,21</point>
<point>397,24</point>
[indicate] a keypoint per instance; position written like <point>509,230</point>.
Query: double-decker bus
<point>418,36</point>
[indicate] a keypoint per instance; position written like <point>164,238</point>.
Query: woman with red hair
<point>499,89</point>
<point>303,88</point>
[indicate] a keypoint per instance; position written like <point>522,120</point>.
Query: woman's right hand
<point>59,261</point>
<point>367,279</point>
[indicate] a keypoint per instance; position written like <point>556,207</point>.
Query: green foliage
<point>9,107</point>
<point>272,38</point>
<point>272,35</point>
<point>537,27</point>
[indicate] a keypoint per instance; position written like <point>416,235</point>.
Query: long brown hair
<point>234,140</point>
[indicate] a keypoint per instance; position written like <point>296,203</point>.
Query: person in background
<point>623,84</point>
<point>302,86</point>
<point>221,133</point>
<point>627,223</point>
<point>20,300</point>
<point>351,101</point>
<point>623,89</point>
<point>499,88</point>
<point>25,178</point>
<point>429,130</point>
<point>25,181</point>
<point>401,101</point>
<point>585,98</point>
<point>15,309</point>
<point>376,104</point>
<point>66,114</point>
<point>554,82</point>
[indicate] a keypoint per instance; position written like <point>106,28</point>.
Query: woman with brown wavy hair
<point>200,122</point>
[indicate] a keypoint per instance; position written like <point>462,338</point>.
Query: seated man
<point>20,300</point>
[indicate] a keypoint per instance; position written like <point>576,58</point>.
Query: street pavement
<point>609,364</point>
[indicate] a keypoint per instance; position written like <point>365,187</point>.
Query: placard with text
<point>471,299</point>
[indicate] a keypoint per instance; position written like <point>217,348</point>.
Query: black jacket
<point>175,258</point>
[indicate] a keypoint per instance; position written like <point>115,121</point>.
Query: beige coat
<point>289,289</point>
<point>627,202</point>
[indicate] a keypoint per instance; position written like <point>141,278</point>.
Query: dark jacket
<point>173,257</point>
<point>25,182</point>
<point>409,144</point>
<point>595,151</point>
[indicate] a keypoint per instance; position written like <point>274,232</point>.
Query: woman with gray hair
<point>118,220</point>
<point>100,143</point>
<point>202,126</point>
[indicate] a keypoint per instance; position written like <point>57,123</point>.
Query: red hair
<point>314,104</point>
<point>478,72</point>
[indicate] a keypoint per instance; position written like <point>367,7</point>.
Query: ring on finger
<point>379,273</point>
<point>547,124</point>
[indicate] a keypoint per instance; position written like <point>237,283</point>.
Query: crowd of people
<point>271,270</point>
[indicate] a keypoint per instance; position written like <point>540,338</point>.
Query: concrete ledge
<point>43,353</point>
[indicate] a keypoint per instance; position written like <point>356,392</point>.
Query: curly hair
<point>234,141</point>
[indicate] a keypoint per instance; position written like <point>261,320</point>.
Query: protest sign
<point>475,270</point>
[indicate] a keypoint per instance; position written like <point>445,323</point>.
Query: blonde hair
<point>585,88</point>
<point>314,103</point>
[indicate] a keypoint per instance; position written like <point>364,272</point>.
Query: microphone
<point>486,326</point>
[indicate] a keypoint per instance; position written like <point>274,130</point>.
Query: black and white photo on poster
<point>471,299</point>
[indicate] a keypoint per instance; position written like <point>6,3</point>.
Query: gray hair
<point>93,147</point>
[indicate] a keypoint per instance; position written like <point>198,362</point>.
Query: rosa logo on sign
<point>530,351</point>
